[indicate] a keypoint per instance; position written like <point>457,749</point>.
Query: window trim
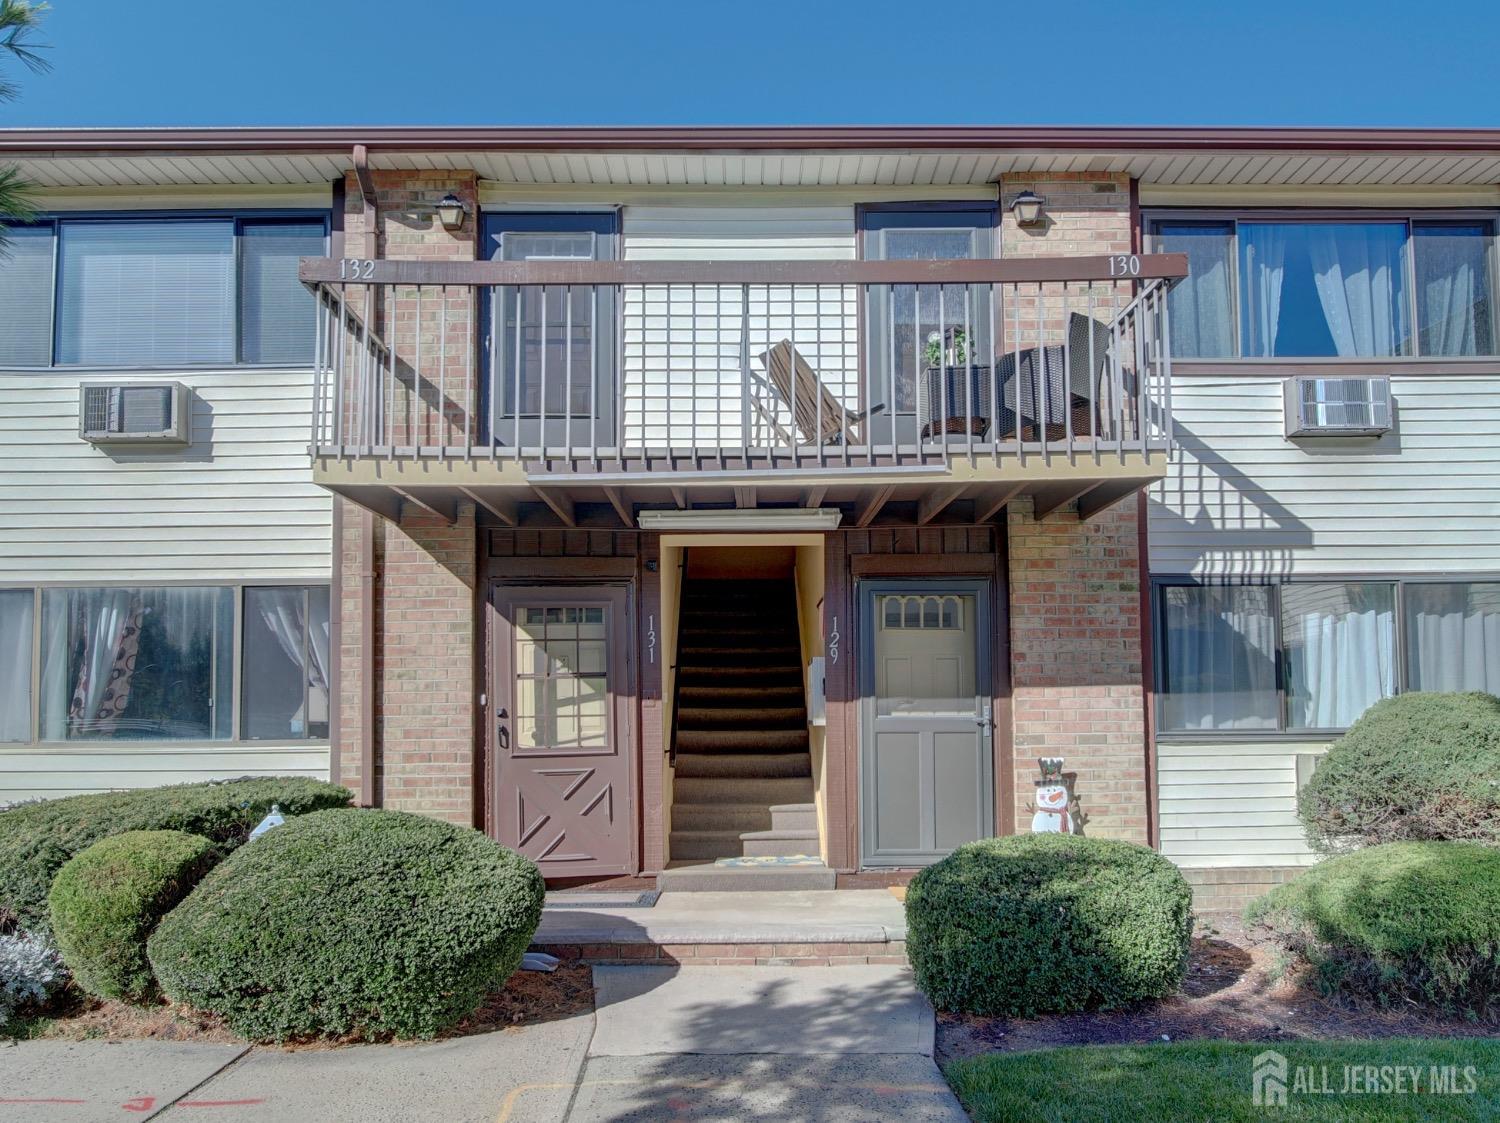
<point>1209,215</point>
<point>237,216</point>
<point>237,642</point>
<point>1282,733</point>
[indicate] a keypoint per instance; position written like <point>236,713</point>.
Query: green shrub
<point>108,898</point>
<point>37,838</point>
<point>1047,923</point>
<point>1417,766</point>
<point>351,922</point>
<point>1419,920</point>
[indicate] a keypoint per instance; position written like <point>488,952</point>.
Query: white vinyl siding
<point>1231,804</point>
<point>1242,502</point>
<point>54,772</point>
<point>702,327</point>
<point>239,504</point>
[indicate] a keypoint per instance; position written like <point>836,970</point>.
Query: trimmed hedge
<point>1047,923</point>
<point>1419,920</point>
<point>1414,767</point>
<point>107,899</point>
<point>351,923</point>
<point>36,839</point>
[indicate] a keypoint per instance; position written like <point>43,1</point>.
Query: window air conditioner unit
<point>1318,406</point>
<point>135,413</point>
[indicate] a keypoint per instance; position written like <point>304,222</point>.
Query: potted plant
<point>950,405</point>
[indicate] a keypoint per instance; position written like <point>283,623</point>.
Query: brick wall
<point>1230,889</point>
<point>1076,661</point>
<point>422,577</point>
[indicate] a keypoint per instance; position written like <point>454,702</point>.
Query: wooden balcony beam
<point>964,271</point>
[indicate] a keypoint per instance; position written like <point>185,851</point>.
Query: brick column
<point>417,651</point>
<point>1076,661</point>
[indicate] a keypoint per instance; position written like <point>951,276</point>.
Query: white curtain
<point>1451,289</point>
<point>1221,659</point>
<point>1265,262</point>
<point>1357,272</point>
<point>1341,652</point>
<point>285,615</point>
<point>1202,323</point>
<point>106,615</point>
<point>15,664</point>
<point>1453,637</point>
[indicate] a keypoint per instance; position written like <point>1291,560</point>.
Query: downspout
<point>366,658</point>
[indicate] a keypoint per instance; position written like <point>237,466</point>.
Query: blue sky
<point>326,62</point>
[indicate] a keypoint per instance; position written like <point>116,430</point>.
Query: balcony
<point>596,389</point>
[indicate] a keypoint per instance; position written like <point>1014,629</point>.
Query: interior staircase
<point>743,781</point>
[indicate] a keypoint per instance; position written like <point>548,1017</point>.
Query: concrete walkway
<point>821,1045</point>
<point>805,916</point>
<point>800,1045</point>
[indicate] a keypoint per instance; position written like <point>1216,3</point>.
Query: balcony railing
<point>641,367</point>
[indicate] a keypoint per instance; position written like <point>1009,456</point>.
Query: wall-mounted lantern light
<point>1027,207</point>
<point>450,211</point>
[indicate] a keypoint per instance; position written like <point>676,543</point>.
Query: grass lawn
<point>1211,1081</point>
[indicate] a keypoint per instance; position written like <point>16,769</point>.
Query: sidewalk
<point>769,929</point>
<point>800,1045</point>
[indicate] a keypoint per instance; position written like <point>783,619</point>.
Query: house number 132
<point>356,268</point>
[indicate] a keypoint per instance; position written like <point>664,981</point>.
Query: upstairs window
<point>159,293</point>
<point>1365,288</point>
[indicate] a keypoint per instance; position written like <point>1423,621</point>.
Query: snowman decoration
<point>1053,815</point>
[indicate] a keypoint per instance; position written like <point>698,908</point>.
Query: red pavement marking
<point>219,1103</point>
<point>140,1103</point>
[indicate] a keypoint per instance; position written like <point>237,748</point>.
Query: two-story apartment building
<point>656,498</point>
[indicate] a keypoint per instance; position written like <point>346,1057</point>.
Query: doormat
<point>780,860</point>
<point>603,899</point>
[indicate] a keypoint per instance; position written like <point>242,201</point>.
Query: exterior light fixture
<point>450,211</point>
<point>1027,207</point>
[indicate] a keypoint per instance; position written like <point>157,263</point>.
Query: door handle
<point>502,733</point>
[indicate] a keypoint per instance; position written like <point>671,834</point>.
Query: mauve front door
<point>564,782</point>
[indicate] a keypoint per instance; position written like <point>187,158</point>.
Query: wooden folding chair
<point>817,414</point>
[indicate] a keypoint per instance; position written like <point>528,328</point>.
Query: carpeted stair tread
<point>743,766</point>
<point>722,716</point>
<point>737,817</point>
<point>766,790</point>
<point>742,740</point>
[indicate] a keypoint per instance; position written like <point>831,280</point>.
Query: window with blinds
<point>159,293</point>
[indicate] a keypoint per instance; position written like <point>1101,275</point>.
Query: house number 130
<point>1124,265</point>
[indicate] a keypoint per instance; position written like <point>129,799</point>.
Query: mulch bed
<point>1236,989</point>
<point>528,998</point>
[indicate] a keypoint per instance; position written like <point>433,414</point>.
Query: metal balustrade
<point>620,367</point>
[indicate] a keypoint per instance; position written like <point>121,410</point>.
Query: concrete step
<point>704,845</point>
<point>721,717</point>
<point>737,817</point>
<point>768,792</point>
<point>744,766</point>
<point>777,844</point>
<point>709,878</point>
<point>794,817</point>
<point>741,740</point>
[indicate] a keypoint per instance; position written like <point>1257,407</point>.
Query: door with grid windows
<point>564,783</point>
<point>927,768</point>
